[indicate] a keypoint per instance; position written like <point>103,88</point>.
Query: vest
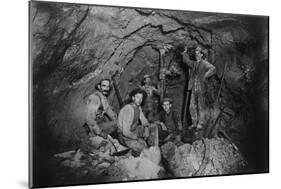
<point>136,115</point>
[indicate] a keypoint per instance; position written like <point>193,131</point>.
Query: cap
<point>146,76</point>
<point>167,100</point>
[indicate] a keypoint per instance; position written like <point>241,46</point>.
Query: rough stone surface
<point>218,154</point>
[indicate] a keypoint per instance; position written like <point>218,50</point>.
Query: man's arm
<point>125,120</point>
<point>186,60</point>
<point>211,70</point>
<point>93,103</point>
<point>144,123</point>
<point>158,119</point>
<point>111,114</point>
<point>155,91</point>
<point>143,118</point>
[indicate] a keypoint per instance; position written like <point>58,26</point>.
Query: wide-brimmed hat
<point>136,91</point>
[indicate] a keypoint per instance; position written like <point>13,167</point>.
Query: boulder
<point>204,157</point>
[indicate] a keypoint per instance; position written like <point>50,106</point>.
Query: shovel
<point>116,153</point>
<point>121,153</point>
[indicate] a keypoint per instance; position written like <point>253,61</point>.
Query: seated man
<point>132,124</point>
<point>169,120</point>
<point>100,117</point>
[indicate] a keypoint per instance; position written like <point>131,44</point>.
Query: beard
<point>137,103</point>
<point>105,92</point>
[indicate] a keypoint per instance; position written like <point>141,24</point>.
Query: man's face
<point>105,87</point>
<point>198,53</point>
<point>147,80</point>
<point>137,99</point>
<point>166,106</point>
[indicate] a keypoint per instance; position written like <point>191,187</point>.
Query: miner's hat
<point>167,99</point>
<point>146,76</point>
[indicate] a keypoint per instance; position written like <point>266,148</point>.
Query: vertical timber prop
<point>114,83</point>
<point>186,117</point>
<point>162,76</point>
<point>164,69</point>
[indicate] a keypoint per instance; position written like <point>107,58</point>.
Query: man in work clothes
<point>200,71</point>
<point>151,102</point>
<point>101,120</point>
<point>171,127</point>
<point>133,126</point>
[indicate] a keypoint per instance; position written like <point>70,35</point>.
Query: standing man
<point>133,125</point>
<point>151,103</point>
<point>147,86</point>
<point>200,71</point>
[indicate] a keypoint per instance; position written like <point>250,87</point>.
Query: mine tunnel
<point>74,46</point>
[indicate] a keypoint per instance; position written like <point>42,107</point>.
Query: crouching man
<point>171,127</point>
<point>100,119</point>
<point>133,126</point>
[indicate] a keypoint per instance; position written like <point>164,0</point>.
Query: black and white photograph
<point>122,94</point>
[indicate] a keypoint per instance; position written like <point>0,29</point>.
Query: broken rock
<point>195,160</point>
<point>144,167</point>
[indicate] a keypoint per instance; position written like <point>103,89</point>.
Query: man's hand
<point>165,49</point>
<point>205,78</point>
<point>163,73</point>
<point>168,137</point>
<point>94,130</point>
<point>103,135</point>
<point>146,133</point>
<point>185,50</point>
<point>163,126</point>
<point>162,51</point>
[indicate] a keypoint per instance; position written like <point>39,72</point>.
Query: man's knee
<point>137,146</point>
<point>109,127</point>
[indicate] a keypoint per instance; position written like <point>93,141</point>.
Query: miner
<point>133,125</point>
<point>151,103</point>
<point>200,70</point>
<point>101,120</point>
<point>171,127</point>
<point>148,87</point>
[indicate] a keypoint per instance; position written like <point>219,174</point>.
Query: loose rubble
<point>147,166</point>
<point>201,158</point>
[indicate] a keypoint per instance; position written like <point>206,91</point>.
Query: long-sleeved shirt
<point>128,119</point>
<point>151,91</point>
<point>171,121</point>
<point>97,105</point>
<point>198,71</point>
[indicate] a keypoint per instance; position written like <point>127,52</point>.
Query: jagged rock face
<point>209,157</point>
<point>74,46</point>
